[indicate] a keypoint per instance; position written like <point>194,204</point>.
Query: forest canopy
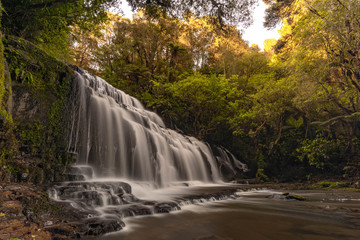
<point>290,111</point>
<point>27,18</point>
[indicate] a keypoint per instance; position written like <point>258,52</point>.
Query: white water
<point>114,134</point>
<point>128,163</point>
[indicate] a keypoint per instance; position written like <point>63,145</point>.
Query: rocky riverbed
<point>27,212</point>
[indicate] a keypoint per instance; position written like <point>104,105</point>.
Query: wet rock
<point>295,197</point>
<point>76,177</point>
<point>76,211</point>
<point>61,229</point>
<point>135,210</point>
<point>99,226</point>
<point>26,211</point>
<point>287,196</point>
<point>48,223</point>
<point>246,181</point>
<point>116,187</point>
<point>166,207</point>
<point>24,176</point>
<point>222,195</point>
<point>129,198</point>
<point>29,214</point>
<point>151,203</point>
<point>85,171</point>
<point>229,166</point>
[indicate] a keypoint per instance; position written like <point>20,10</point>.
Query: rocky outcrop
<point>33,93</point>
<point>38,86</point>
<point>24,209</point>
<point>26,212</point>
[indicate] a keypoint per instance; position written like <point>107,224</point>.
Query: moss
<point>2,65</point>
<point>2,75</point>
<point>295,197</point>
<point>40,84</point>
<point>7,140</point>
<point>22,171</point>
<point>261,177</point>
<point>32,66</point>
<point>30,135</point>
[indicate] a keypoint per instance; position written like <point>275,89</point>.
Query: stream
<point>254,214</point>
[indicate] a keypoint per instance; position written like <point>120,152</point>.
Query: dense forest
<point>290,111</point>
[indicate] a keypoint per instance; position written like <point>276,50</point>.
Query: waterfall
<point>128,163</point>
<point>114,134</point>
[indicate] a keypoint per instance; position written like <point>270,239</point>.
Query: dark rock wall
<point>34,114</point>
<point>8,145</point>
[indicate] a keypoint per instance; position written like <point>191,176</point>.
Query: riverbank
<point>26,212</point>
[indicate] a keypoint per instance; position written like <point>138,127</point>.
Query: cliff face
<point>33,108</point>
<point>8,144</point>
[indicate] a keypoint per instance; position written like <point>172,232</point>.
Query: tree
<point>224,12</point>
<point>277,10</point>
<point>47,22</point>
<point>85,44</point>
<point>318,51</point>
<point>35,19</point>
<point>164,49</point>
<point>136,52</point>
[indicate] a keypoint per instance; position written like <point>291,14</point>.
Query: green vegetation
<point>39,87</point>
<point>295,197</point>
<point>291,112</point>
<point>8,144</point>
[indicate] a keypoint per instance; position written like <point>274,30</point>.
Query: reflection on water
<point>254,215</point>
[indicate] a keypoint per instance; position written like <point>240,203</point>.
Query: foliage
<point>275,108</point>
<point>291,112</point>
<point>260,176</point>
<point>8,143</point>
<point>47,22</point>
<point>228,11</point>
<point>317,50</point>
<point>321,152</point>
<point>277,10</point>
<point>130,54</point>
<point>202,103</point>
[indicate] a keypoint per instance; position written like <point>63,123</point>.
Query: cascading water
<point>112,132</point>
<point>115,139</point>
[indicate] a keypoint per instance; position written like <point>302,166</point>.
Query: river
<point>254,215</point>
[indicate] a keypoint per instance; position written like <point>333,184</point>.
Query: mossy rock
<point>294,197</point>
<point>40,86</point>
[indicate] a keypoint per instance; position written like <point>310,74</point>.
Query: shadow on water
<point>254,215</point>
